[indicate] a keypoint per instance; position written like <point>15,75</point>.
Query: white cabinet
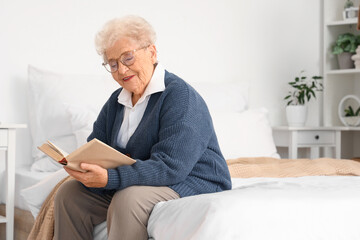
<point>7,144</point>
<point>308,137</point>
<point>338,83</point>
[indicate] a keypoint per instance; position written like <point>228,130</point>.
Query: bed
<point>308,207</point>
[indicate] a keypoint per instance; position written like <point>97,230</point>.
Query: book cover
<point>93,152</point>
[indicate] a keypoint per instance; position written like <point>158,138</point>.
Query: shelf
<point>338,83</point>
<point>343,71</point>
<point>343,128</point>
<point>342,22</point>
<point>353,129</point>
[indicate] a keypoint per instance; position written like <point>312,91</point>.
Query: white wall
<point>265,43</point>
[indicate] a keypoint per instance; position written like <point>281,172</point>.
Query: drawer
<point>316,137</point>
<point>3,137</point>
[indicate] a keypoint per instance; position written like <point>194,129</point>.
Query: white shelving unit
<point>338,83</point>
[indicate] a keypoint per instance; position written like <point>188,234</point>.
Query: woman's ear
<point>153,53</point>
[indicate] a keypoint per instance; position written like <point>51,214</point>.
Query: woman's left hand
<point>95,177</point>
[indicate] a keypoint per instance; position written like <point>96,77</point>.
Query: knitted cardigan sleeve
<point>183,137</point>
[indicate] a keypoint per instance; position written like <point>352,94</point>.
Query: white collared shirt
<point>134,114</point>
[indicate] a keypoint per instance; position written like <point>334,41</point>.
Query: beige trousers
<point>77,210</point>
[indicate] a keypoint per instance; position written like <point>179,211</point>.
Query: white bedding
<point>265,208</point>
<point>24,178</point>
<point>310,208</point>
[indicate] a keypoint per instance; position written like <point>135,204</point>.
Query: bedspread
<point>272,167</point>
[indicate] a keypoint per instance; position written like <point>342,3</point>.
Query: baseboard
<point>23,223</point>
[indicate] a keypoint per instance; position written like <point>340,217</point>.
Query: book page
<point>57,149</point>
<point>51,152</point>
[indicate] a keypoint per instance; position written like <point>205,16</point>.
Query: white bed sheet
<point>265,208</point>
<point>262,208</point>
<point>23,178</point>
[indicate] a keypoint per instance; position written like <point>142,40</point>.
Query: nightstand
<point>308,137</point>
<point>8,143</point>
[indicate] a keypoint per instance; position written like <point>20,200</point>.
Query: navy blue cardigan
<point>174,145</point>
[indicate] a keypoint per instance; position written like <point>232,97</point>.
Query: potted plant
<point>303,89</point>
<point>352,117</point>
<point>348,4</point>
<point>349,10</point>
<point>345,46</point>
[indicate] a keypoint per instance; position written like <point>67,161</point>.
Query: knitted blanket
<point>272,167</point>
<point>43,228</point>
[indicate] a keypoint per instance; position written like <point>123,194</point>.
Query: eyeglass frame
<point>119,59</point>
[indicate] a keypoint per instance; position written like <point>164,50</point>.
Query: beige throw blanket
<point>272,167</point>
<point>43,228</point>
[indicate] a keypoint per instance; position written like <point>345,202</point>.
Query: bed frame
<point>22,224</point>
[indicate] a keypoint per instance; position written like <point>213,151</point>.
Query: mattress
<point>265,208</point>
<point>312,207</point>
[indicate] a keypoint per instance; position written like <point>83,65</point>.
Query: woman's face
<point>136,77</point>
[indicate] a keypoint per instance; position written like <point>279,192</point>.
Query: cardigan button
<point>128,154</point>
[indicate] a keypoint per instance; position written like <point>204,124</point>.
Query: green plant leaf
<point>346,42</point>
<point>301,97</point>
<point>349,112</point>
<point>312,93</point>
<point>357,112</point>
<point>303,89</point>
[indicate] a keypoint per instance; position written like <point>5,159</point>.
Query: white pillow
<point>36,194</point>
<point>81,120</point>
<point>245,134</point>
<point>49,95</point>
<point>223,96</point>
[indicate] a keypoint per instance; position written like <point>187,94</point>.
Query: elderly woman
<point>157,119</point>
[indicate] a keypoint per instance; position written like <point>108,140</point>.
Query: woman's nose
<point>122,68</point>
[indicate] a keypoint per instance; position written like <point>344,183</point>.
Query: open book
<point>94,152</point>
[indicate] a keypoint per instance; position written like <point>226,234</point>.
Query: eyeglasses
<point>127,59</point>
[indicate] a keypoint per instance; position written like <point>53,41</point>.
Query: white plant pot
<point>296,115</point>
<point>352,121</point>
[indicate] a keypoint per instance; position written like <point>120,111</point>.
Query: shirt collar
<point>155,85</point>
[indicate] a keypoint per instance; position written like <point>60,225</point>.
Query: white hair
<point>134,27</point>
